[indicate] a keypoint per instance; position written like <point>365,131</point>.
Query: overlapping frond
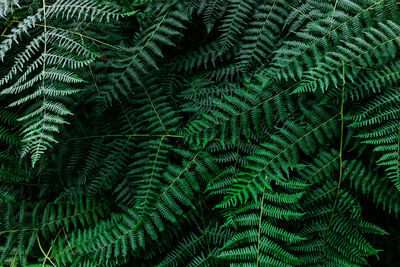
<point>378,44</point>
<point>249,109</point>
<point>262,35</point>
<point>333,24</point>
<point>379,120</point>
<point>44,71</point>
<point>134,62</point>
<point>205,132</point>
<point>333,226</point>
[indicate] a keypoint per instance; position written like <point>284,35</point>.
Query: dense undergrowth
<point>199,133</point>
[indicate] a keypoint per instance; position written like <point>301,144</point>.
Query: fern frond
<point>273,161</point>
<point>368,183</point>
<point>373,82</point>
<point>243,110</point>
<point>204,56</point>
<point>7,6</point>
<point>379,44</point>
<point>139,59</point>
<point>198,248</point>
<point>320,36</point>
<point>212,12</point>
<point>382,114</point>
<point>333,237</point>
<point>238,11</point>
<point>81,10</point>
<point>260,38</point>
<point>175,190</point>
<point>258,236</point>
<point>8,136</point>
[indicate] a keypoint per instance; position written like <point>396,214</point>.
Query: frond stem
<point>259,230</point>
<point>44,253</point>
<point>131,135</point>
<point>340,155</point>
<point>205,232</point>
<point>77,33</point>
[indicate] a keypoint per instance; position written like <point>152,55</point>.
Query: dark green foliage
<point>199,132</point>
